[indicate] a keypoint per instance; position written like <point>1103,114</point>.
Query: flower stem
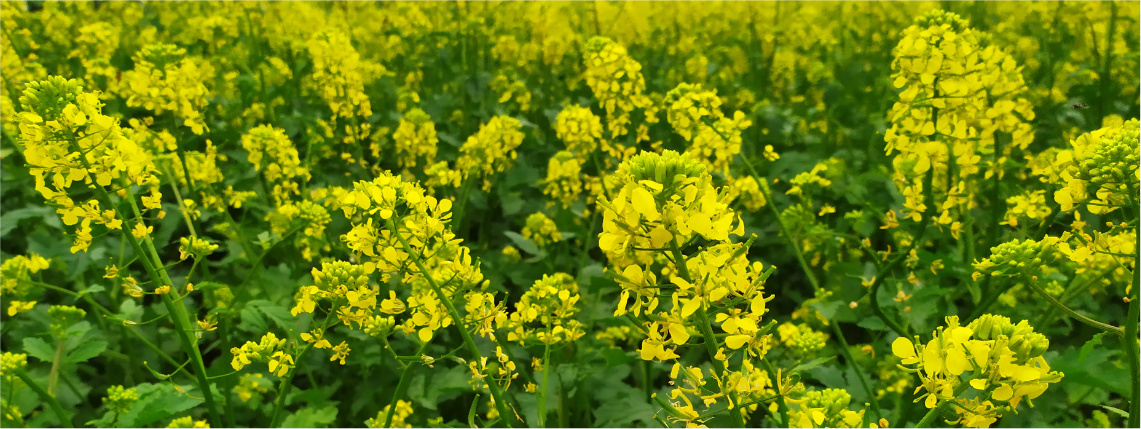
<point>287,382</point>
<point>710,340</point>
<point>543,387</point>
<point>496,393</point>
<point>177,311</point>
<point>1130,345</point>
<point>401,387</point>
<point>53,403</point>
<point>1081,318</point>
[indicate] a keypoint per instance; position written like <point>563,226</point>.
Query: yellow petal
<point>903,348</point>
<point>1003,393</point>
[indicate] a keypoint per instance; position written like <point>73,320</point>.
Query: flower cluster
<point>67,139</point>
<point>415,139</point>
<point>491,150</point>
<point>564,179</point>
<point>663,200</point>
<point>119,400</point>
<point>15,275</point>
<point>1102,168</point>
<point>958,97</point>
<point>580,129</point>
<point>399,418</point>
<point>1001,361</point>
<point>826,408</point>
<point>165,80</point>
<point>272,153</point>
<point>695,114</point>
<point>270,350</point>
<point>339,74</point>
<point>542,230</point>
<point>616,80</point>
<point>546,312</point>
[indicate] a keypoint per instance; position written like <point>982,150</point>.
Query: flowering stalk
<point>287,382</point>
<point>1129,340</point>
<point>496,393</point>
<point>157,271</point>
<point>711,344</point>
<point>402,385</point>
<point>814,282</point>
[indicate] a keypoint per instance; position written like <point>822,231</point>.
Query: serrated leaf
<point>157,402</point>
<point>252,320</point>
<point>39,349</point>
<point>311,418</point>
<point>277,313</point>
<point>86,350</point>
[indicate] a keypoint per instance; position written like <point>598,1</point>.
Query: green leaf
<point>622,411</point>
<point>872,323</point>
<point>311,418</point>
<point>524,243</point>
<point>277,313</point>
<point>39,349</point>
<point>252,320</point>
<point>157,402</point>
<point>1089,347</point>
<point>11,219</point>
<point>810,364</point>
<point>86,350</point>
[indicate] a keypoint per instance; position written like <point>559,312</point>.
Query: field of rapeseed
<point>578,214</point>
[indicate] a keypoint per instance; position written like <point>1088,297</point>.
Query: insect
<point>1080,106</point>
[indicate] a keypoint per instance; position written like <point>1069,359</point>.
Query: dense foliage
<point>289,214</point>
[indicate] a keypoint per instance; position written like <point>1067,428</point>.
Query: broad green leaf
<point>311,418</point>
<point>40,349</point>
<point>86,350</point>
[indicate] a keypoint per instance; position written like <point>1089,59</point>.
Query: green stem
<point>53,375</point>
<point>496,393</point>
<point>287,382</point>
<point>816,287</point>
<point>710,340</point>
<point>543,387</point>
<point>1081,318</point>
<point>401,386</point>
<point>782,407</point>
<point>64,418</point>
<point>1130,345</point>
<point>929,418</point>
<point>156,271</point>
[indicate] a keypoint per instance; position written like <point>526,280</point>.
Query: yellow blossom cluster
<point>272,153</point>
<point>826,408</point>
<point>545,313</point>
<point>616,80</point>
<point>166,80</point>
<point>339,74</point>
<point>1001,361</point>
<point>415,139</point>
<point>67,139</point>
<point>270,350</point>
<point>1101,170</point>
<point>959,96</point>
<point>491,150</point>
<point>564,179</point>
<point>580,130</point>
<point>542,230</point>
<point>695,114</point>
